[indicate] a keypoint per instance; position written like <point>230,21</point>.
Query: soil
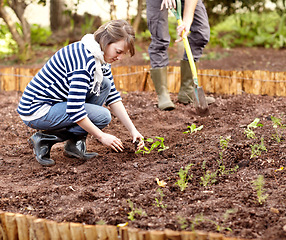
<point>103,189</point>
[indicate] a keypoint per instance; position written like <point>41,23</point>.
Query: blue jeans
<point>57,118</point>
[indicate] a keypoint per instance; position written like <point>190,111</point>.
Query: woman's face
<point>115,51</point>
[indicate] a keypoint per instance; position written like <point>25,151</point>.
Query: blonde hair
<point>114,31</point>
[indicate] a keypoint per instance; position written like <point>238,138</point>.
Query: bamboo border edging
<point>137,78</point>
<point>16,226</point>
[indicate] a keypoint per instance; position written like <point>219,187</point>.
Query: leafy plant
<point>258,185</point>
<point>182,222</point>
<point>278,126</point>
<point>257,149</point>
<point>249,131</point>
<point>194,128</point>
<point>184,177</point>
<point>158,144</point>
<point>160,199</point>
<point>101,222</point>
<point>134,211</point>
<point>208,177</point>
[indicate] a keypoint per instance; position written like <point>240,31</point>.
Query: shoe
<point>76,147</point>
<point>42,144</point>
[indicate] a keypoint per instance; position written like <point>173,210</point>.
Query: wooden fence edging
<point>16,226</point>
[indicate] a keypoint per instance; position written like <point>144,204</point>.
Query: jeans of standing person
<point>57,118</point>
<point>160,38</point>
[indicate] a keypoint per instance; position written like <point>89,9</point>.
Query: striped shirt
<point>67,77</point>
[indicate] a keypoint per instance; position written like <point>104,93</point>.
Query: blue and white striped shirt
<point>67,77</point>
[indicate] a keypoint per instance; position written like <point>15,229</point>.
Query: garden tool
<point>199,98</point>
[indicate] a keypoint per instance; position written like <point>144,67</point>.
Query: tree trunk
<point>23,41</point>
<point>56,15</point>
<point>138,16</point>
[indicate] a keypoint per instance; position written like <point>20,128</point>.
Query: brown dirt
<point>98,189</point>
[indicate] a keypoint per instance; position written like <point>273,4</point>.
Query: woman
<point>65,99</point>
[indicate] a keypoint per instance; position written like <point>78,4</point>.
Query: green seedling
<point>160,199</point>
<point>200,218</point>
<point>257,149</point>
<point>278,126</point>
<point>158,144</point>
<point>184,177</point>
<point>208,177</point>
<point>258,185</point>
<point>134,211</point>
<point>249,130</point>
<point>182,222</point>
<point>193,128</point>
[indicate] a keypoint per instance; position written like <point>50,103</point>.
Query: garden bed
<point>105,189</point>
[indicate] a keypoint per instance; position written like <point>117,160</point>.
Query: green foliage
<point>158,144</point>
<point>251,29</point>
<point>39,34</point>
<point>134,211</point>
<point>160,199</point>
<point>278,127</point>
<point>184,177</point>
<point>258,185</point>
<point>7,44</point>
<point>253,125</point>
<point>101,222</point>
<point>257,149</point>
<point>194,128</point>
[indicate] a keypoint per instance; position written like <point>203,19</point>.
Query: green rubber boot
<point>159,78</point>
<point>185,94</point>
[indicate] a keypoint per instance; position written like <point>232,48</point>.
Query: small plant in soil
<point>159,201</point>
<point>182,222</point>
<point>157,144</point>
<point>193,128</point>
<point>258,185</point>
<point>200,219</point>
<point>184,177</point>
<point>134,211</point>
<point>278,127</point>
<point>249,131</point>
<point>257,149</point>
<point>208,177</point>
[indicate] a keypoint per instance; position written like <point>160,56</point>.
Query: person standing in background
<point>195,19</point>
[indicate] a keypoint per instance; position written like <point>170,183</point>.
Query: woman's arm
<point>119,110</point>
<point>105,138</point>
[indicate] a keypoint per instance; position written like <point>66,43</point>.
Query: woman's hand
<point>139,137</point>
<point>169,4</point>
<point>111,141</point>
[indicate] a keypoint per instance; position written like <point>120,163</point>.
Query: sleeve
<point>79,82</point>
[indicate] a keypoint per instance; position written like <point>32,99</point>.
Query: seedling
<point>158,144</point>
<point>258,185</point>
<point>257,149</point>
<point>134,211</point>
<point>182,222</point>
<point>101,222</point>
<point>278,126</point>
<point>159,201</point>
<point>193,128</point>
<point>249,130</point>
<point>209,177</point>
<point>184,177</point>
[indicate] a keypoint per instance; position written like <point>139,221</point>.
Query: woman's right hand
<point>111,141</point>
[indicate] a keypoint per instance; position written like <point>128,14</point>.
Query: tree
<point>21,36</point>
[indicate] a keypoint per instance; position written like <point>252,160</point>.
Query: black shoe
<point>76,147</point>
<point>42,144</point>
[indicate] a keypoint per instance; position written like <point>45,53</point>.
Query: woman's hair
<point>114,31</point>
